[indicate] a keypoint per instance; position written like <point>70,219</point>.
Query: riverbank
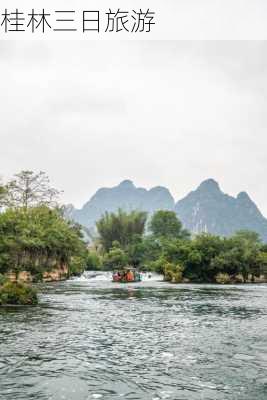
<point>57,274</point>
<point>62,274</point>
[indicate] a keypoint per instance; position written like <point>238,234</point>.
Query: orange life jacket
<point>130,276</point>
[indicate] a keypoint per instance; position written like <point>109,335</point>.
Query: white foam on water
<point>148,276</point>
<point>95,276</point>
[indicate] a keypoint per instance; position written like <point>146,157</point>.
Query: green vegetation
<point>12,293</point>
<point>2,194</point>
<point>165,224</point>
<point>169,249</point>
<point>34,236</point>
<point>36,240</point>
<point>121,227</point>
<point>93,261</point>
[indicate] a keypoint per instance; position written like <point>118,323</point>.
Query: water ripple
<point>92,339</point>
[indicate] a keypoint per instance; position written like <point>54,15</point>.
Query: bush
<point>222,278</point>
<point>158,265</point>
<point>93,261</point>
<point>37,240</point>
<point>3,279</point>
<point>115,258</point>
<point>77,266</point>
<point>17,294</point>
<point>173,273</point>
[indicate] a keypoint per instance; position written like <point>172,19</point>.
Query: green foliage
<point>173,273</point>
<point>135,251</point>
<point>17,294</point>
<point>94,261</point>
<point>36,240</point>
<point>248,236</point>
<point>262,262</point>
<point>121,227</point>
<point>169,250</point>
<point>3,279</point>
<point>209,258</point>
<point>165,224</point>
<point>158,265</point>
<point>3,193</point>
<point>77,265</point>
<point>248,246</point>
<point>115,258</point>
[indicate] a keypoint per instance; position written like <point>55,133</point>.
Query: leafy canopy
<point>165,224</point>
<point>37,239</point>
<point>121,227</point>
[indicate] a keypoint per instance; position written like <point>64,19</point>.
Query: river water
<point>90,338</point>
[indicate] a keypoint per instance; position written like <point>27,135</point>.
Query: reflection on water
<point>93,339</point>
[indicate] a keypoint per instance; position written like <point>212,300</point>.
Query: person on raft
<point>117,276</point>
<point>129,276</point>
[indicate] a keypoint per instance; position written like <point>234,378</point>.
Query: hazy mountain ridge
<point>206,209</point>
<point>125,196</point>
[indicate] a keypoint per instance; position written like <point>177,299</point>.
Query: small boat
<point>126,275</point>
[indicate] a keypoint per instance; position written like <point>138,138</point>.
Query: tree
<point>121,227</point>
<point>93,261</point>
<point>229,261</point>
<point>28,189</point>
<point>2,194</point>
<point>248,236</point>
<point>173,273</point>
<point>115,258</point>
<point>201,252</point>
<point>262,261</point>
<point>249,245</point>
<point>36,240</point>
<point>136,251</point>
<point>165,224</point>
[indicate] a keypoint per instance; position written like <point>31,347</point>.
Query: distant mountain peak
<point>125,196</point>
<point>159,189</point>
<point>243,196</point>
<point>206,209</point>
<point>209,185</point>
<point>245,202</point>
<point>127,183</point>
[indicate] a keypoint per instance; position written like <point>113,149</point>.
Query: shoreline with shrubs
<point>38,244</point>
<point>162,245</point>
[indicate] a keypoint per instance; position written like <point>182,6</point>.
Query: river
<point>90,338</point>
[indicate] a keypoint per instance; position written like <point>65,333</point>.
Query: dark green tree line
<point>121,227</point>
<point>168,248</point>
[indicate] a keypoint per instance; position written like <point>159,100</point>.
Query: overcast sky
<point>91,114</point>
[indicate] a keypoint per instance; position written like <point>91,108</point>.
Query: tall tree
<point>29,189</point>
<point>121,227</point>
<point>165,224</point>
<point>250,244</point>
